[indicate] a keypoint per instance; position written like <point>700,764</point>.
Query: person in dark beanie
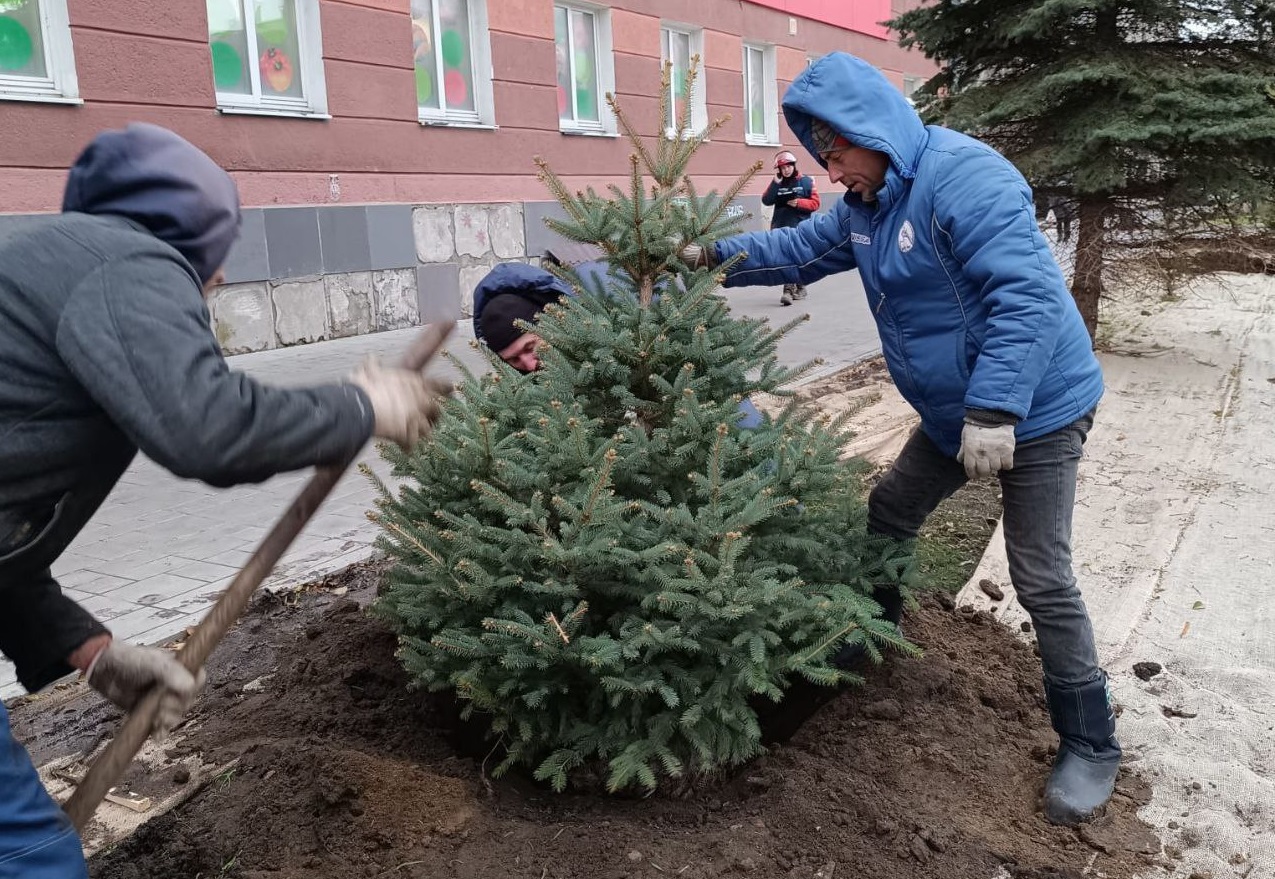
<point>983,338</point>
<point>794,198</point>
<point>509,293</point>
<point>106,348</point>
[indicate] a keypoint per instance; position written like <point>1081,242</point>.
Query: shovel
<point>109,767</point>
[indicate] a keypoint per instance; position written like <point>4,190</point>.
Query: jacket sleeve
<point>811,200</point>
<point>772,191</point>
<point>136,335</point>
<point>795,255</point>
<point>984,207</point>
<point>40,627</point>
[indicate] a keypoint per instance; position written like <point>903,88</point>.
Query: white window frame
<point>770,95</point>
<point>910,85</point>
<point>313,102</point>
<point>604,67</point>
<point>484,113</point>
<point>61,85</point>
<point>699,101</point>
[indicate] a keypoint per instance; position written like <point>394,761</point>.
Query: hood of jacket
<point>164,183</point>
<point>860,104</point>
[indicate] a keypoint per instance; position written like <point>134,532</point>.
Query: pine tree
<point>597,556</point>
<point>1156,116</point>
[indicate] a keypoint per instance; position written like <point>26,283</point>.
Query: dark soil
<point>955,534</point>
<point>932,769</point>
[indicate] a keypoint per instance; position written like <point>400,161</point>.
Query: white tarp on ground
<point>1175,552</point>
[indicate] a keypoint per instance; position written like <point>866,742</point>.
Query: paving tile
<point>92,583</point>
<point>139,565</point>
<point>234,558</point>
<point>152,590</point>
<point>138,622</point>
<point>196,600</point>
<point>205,572</point>
<point>101,606</point>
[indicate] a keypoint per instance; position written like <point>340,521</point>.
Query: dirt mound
<point>932,769</point>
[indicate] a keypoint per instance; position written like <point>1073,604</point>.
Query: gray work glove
<point>405,404</point>
<point>124,673</point>
<point>986,449</point>
<point>698,257</point>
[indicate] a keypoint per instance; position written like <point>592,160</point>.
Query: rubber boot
<point>1088,755</point>
<point>891,601</point>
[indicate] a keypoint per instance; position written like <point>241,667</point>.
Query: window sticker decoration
<point>276,70</point>
<point>21,40</point>
<point>227,66</point>
<point>279,48</point>
<point>16,47</point>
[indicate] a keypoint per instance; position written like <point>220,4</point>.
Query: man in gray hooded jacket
<point>106,348</point>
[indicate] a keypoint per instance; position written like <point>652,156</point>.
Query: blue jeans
<point>37,840</point>
<point>1039,496</point>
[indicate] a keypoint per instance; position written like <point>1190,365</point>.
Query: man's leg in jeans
<point>37,840</point>
<point>1039,497</point>
<point>921,477</point>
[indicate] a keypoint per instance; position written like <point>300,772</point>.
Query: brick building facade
<point>383,148</point>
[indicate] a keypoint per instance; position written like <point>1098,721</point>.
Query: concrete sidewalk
<point>162,549</point>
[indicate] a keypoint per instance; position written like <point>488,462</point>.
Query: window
<point>679,45</point>
<point>910,85</point>
<point>582,41</point>
<point>761,108</point>
<point>36,60</point>
<point>267,56</point>
<point>453,62</point>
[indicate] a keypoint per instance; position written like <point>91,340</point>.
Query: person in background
<point>794,198</point>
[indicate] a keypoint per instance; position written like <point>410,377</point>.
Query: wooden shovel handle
<point>107,770</point>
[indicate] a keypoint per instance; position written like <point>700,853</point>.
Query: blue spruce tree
<point>596,556</point>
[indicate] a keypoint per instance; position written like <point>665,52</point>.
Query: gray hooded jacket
<point>106,347</point>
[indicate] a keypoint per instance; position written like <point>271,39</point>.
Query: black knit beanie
<point>498,319</point>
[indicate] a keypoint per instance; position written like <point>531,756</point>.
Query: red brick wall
<point>150,61</point>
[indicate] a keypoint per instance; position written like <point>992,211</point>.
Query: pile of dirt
<point>933,768</point>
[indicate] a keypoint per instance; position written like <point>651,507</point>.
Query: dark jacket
<point>972,309</point>
<point>780,192</point>
<point>105,348</point>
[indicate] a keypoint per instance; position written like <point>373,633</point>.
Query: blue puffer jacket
<point>972,309</point>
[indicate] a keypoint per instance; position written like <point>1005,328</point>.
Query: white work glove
<point>405,404</point>
<point>124,673</point>
<point>698,257</point>
<point>986,449</point>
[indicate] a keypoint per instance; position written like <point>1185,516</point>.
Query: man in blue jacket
<point>982,337</point>
<point>105,348</point>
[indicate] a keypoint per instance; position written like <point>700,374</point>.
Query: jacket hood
<point>529,282</point>
<point>153,177</point>
<point>859,103</point>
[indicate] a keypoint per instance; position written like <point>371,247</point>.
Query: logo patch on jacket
<point>907,236</point>
<point>858,238</point>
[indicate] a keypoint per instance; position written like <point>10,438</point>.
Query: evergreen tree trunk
<point>1091,248</point>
